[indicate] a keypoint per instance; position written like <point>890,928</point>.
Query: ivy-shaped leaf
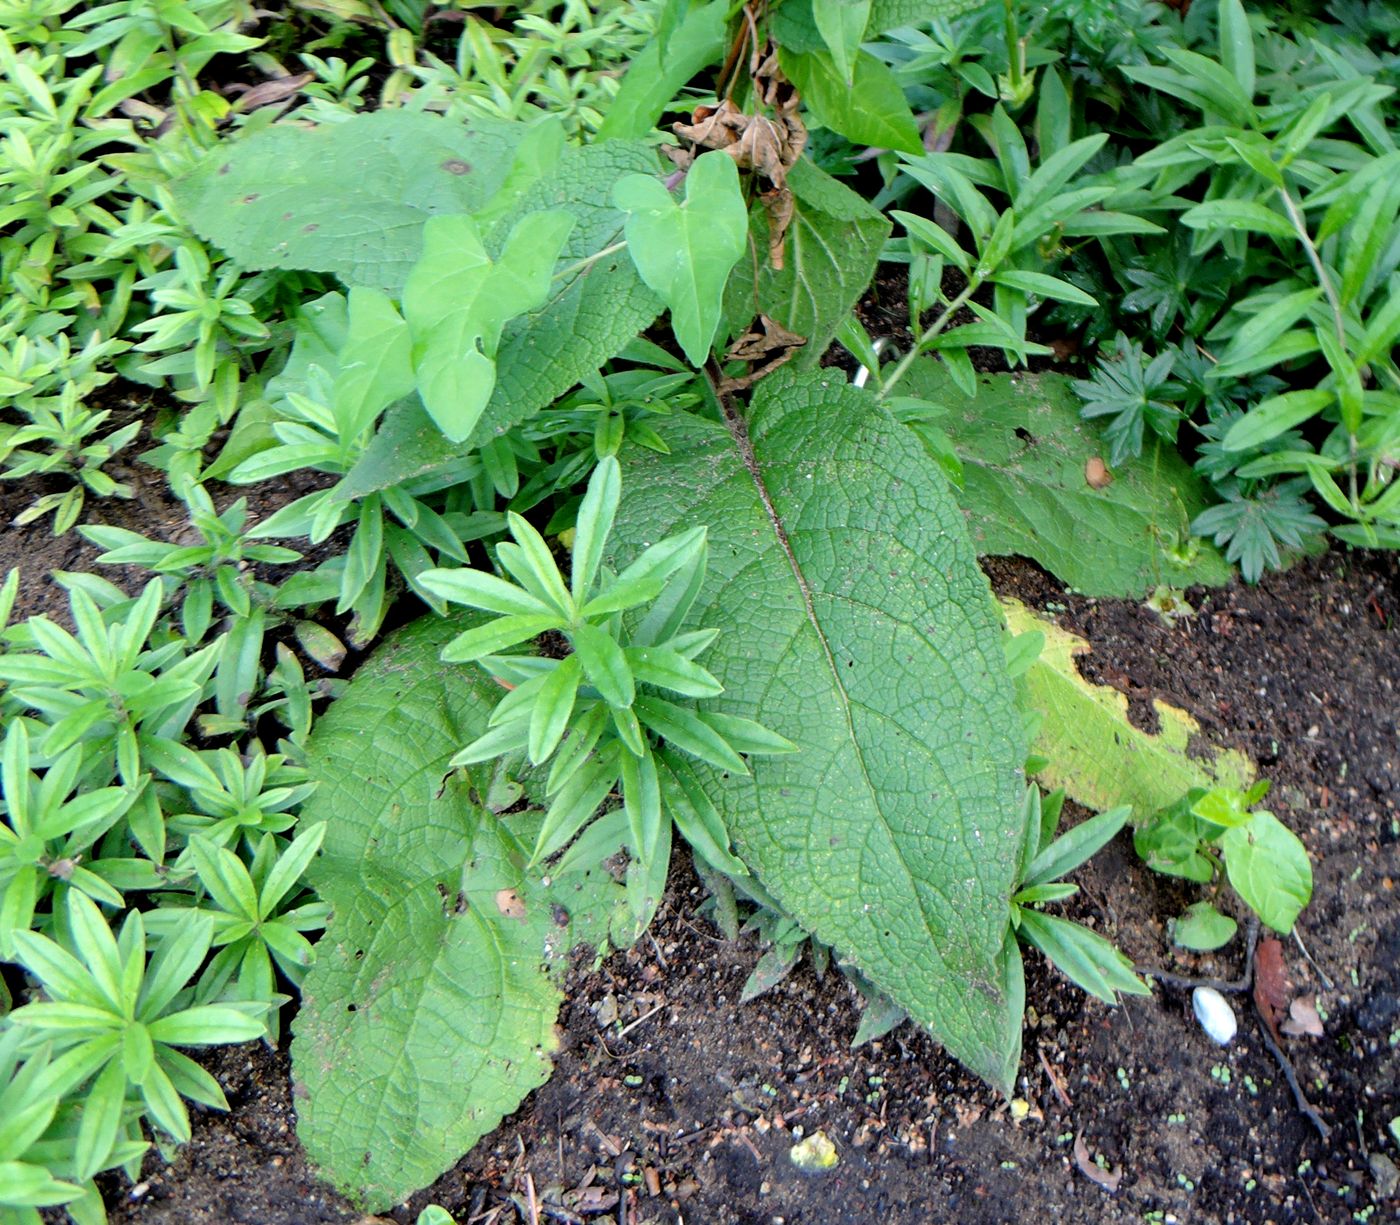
<point>457,301</point>
<point>597,304</point>
<point>856,623</point>
<point>684,252</point>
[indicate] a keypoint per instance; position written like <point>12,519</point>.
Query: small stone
<point>1214,1013</point>
<point>1387,1176</point>
<point>814,1155</point>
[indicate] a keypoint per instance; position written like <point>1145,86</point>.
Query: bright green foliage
<point>832,245</point>
<point>856,623</point>
<point>1264,860</point>
<point>456,303</point>
<point>871,111</point>
<point>841,23</point>
<point>1087,958</point>
<point>684,252</point>
<point>666,64</point>
<point>427,1016</point>
<point>1202,928</point>
<point>1092,750</point>
<point>797,25</point>
<point>586,712</point>
<point>119,1018</point>
<point>28,1103</point>
<point>1022,451</point>
<point>45,824</point>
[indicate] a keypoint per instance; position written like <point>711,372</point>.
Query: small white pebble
<point>1214,1013</point>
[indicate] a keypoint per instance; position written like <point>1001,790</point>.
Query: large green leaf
<point>429,1012</point>
<point>349,198</point>
<point>868,110</point>
<point>856,623</point>
<point>1095,753</point>
<point>833,244</point>
<point>1024,451</point>
<point>795,25</point>
<point>592,314</point>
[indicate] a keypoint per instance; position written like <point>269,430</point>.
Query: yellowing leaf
<point>1096,755</point>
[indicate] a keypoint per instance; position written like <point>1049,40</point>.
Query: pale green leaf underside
<point>1023,448</point>
<point>348,198</point>
<point>893,833</point>
<point>452,1021</point>
<point>833,243</point>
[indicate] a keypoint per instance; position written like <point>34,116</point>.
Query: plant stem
<point>902,366</point>
<point>1295,215</point>
<point>1300,226</point>
<point>589,261</point>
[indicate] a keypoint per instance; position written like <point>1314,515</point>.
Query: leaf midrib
<point>738,430</point>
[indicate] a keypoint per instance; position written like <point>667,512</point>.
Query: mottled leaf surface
<point>429,1012</point>
<point>833,243</point>
<point>349,198</point>
<point>1024,449</point>
<point>855,622</point>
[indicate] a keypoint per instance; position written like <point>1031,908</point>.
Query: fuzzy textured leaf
<point>1095,753</point>
<point>1024,449</point>
<point>265,199</point>
<point>833,244</point>
<point>427,1016</point>
<point>856,623</point>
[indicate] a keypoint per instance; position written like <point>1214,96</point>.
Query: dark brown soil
<point>689,1116</point>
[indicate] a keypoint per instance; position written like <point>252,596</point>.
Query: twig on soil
<point>1055,1083</point>
<point>1305,1107</point>
<point>532,1204</point>
<point>1321,973</point>
<point>646,1016</point>
<point>1242,983</point>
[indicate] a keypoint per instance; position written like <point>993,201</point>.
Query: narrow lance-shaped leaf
<point>684,252</point>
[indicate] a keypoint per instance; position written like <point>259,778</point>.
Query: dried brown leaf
<point>271,92</point>
<point>1273,989</point>
<point>1303,1019</point>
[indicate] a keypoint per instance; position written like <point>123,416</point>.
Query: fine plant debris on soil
<point>769,612</point>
